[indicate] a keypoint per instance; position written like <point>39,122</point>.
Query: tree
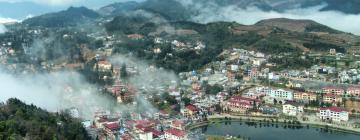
<point>275,101</point>
<point>123,72</point>
<point>353,111</point>
<point>186,101</point>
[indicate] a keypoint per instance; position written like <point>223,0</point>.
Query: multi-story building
<point>292,109</point>
<point>241,104</point>
<point>281,94</point>
<point>334,114</point>
<point>305,97</point>
<point>353,91</point>
<point>333,90</point>
<point>332,98</point>
<point>189,111</point>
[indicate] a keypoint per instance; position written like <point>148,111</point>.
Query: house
<point>103,66</point>
<point>177,124</point>
<point>135,36</point>
<point>353,91</point>
<point>305,97</point>
<point>334,114</point>
<point>281,94</point>
<point>292,108</point>
<point>111,128</point>
<point>175,134</point>
<point>332,98</point>
<point>333,90</point>
<point>189,111</point>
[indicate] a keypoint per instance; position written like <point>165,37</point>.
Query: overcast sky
<point>88,3</point>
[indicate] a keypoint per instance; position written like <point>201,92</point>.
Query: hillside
<point>69,17</point>
<point>296,25</point>
<point>118,8</point>
<point>21,121</point>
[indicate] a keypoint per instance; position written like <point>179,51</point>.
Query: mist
<point>56,91</point>
<point>148,77</point>
<point>211,13</point>
<point>2,29</point>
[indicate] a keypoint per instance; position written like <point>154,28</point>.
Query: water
<point>255,131</point>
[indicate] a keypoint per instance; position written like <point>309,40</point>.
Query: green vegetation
<point>69,17</point>
<point>320,46</point>
<point>21,121</point>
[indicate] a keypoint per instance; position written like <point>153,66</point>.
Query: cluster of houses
<point>293,102</point>
<point>139,126</point>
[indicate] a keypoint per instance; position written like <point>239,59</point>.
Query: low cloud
<point>53,91</point>
<point>250,15</point>
<point>5,20</point>
<point>2,29</point>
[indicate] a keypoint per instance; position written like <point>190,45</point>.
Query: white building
<point>334,114</point>
<point>292,109</point>
<point>281,94</point>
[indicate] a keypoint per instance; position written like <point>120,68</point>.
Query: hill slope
<point>69,17</point>
<point>21,121</point>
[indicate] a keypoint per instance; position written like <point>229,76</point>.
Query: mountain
<point>69,17</point>
<point>296,25</point>
<point>345,6</point>
<point>119,8</point>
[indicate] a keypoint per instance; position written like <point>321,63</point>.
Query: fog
<point>148,77</point>
<point>54,91</point>
<point>2,29</point>
<point>250,15</point>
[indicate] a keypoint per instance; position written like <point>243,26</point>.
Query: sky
<point>89,3</point>
<point>29,8</point>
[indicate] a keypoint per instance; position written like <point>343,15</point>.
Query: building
<point>334,114</point>
<point>332,98</point>
<point>189,111</point>
<point>103,66</point>
<point>353,91</point>
<point>175,134</point>
<point>111,128</point>
<point>333,90</point>
<point>177,124</point>
<point>281,94</point>
<point>240,104</point>
<point>292,109</point>
<point>305,97</point>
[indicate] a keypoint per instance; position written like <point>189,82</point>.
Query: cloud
<point>5,20</point>
<point>251,15</point>
<point>2,29</point>
<point>90,3</point>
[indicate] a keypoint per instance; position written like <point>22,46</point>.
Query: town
<point>243,84</point>
<point>165,79</point>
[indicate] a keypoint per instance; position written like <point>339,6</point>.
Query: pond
<point>268,131</point>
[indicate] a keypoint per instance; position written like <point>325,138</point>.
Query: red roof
<point>333,109</point>
<point>112,126</point>
<point>353,88</point>
<point>155,132</point>
<point>239,98</point>
<point>104,62</point>
<point>176,132</point>
<point>333,88</point>
<point>330,95</point>
<point>192,108</point>
<point>126,137</point>
<point>177,123</point>
<point>239,103</point>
